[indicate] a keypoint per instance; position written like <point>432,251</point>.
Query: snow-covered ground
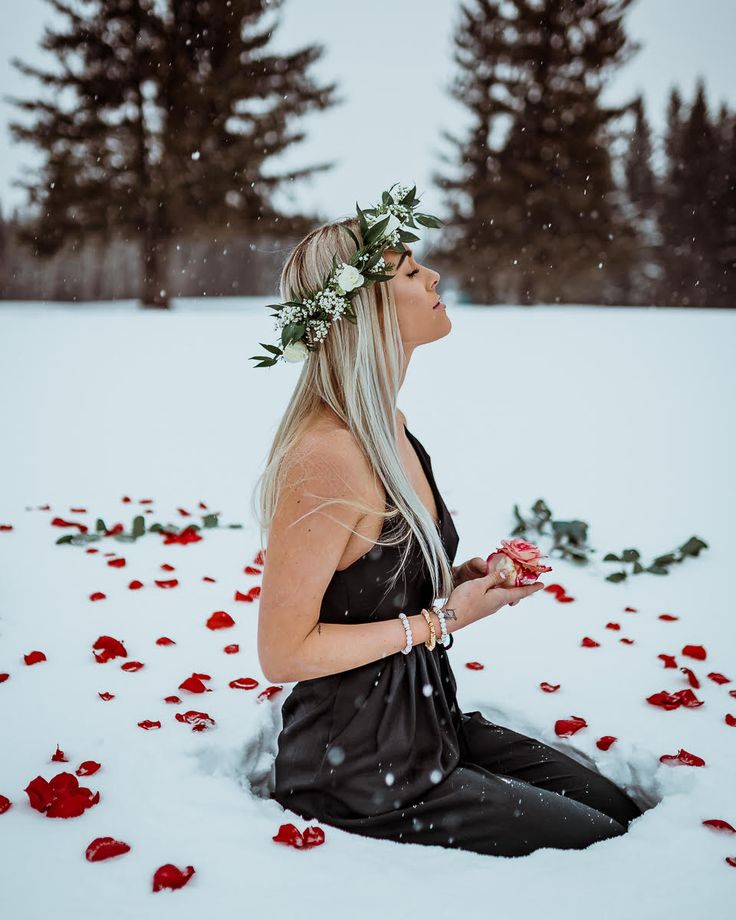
<point>623,418</point>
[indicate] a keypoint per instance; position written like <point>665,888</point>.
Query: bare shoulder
<point>329,453</point>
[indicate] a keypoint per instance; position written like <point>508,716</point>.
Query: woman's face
<point>415,292</point>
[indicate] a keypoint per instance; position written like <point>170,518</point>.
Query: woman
<point>360,543</point>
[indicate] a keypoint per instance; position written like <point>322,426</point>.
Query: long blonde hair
<point>356,371</point>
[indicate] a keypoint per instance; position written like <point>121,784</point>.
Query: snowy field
<point>622,418</point>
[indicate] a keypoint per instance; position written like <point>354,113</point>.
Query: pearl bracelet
<point>443,625</point>
<point>409,637</point>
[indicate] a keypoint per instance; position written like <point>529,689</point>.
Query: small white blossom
<point>295,352</point>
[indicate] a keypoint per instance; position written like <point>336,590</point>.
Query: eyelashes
<point>411,274</point>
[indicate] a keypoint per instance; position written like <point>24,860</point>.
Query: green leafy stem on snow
<point>138,529</point>
<point>570,541</point>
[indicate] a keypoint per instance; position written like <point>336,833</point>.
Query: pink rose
<point>518,561</point>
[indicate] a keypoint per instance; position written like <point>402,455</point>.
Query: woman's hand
<point>473,568</point>
<point>482,597</point>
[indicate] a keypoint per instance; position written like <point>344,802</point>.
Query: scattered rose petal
<point>731,860</point>
<point>199,721</point>
<point>60,522</point>
<point>194,685</point>
<point>87,768</point>
<point>4,676</point>
<point>667,617</point>
<point>220,619</point>
<point>613,626</point>
<point>626,640</point>
<point>694,651</point>
<point>474,665</point>
<point>34,657</point>
<point>669,660</point>
<point>683,757</point>
<point>59,756</point>
<point>166,582</point>
<point>5,804</point>
<point>243,683</point>
<point>719,825</point>
<point>730,720</point>
<point>605,742</point>
<point>259,559</point>
<point>106,696</point>
<point>169,876</point>
<point>105,848</point>
<point>164,640</point>
<point>172,699</point>
<point>97,596</point>
<point>232,649</point>
<point>566,727</point>
<point>61,797</point>
<point>674,700</point>
<point>549,688</point>
<point>106,648</point>
<point>147,724</point>
<point>692,679</point>
<point>135,585</point>
<point>188,535</point>
<point>268,693</point>
<point>290,835</point>
<point>239,596</point>
<point>589,643</point>
<point>132,666</point>
<point>719,678</point>
<point>117,563</point>
<point>630,610</point>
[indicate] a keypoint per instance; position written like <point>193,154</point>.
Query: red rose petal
<point>135,585</point>
<point>169,876</point>
<point>194,685</point>
<point>172,699</point>
<point>107,647</point>
<point>243,683</point>
<point>5,804</point>
<point>694,651</point>
<point>34,657</point>
<point>474,665</point>
<point>164,640</point>
<point>147,724</point>
<point>719,678</point>
<point>613,626</point>
<point>97,596</point>
<point>166,582</point>
<point>719,825</point>
<point>59,755</point>
<point>251,570</point>
<point>106,696</point>
<point>239,596</point>
<point>87,768</point>
<point>669,660</point>
<point>667,617</point>
<point>116,563</point>
<point>105,848</point>
<point>200,721</point>
<point>268,693</point>
<point>589,643</point>
<point>605,742</point>
<point>231,649</point>
<point>692,679</point>
<point>549,688</point>
<point>220,619</point>
<point>683,757</point>
<point>132,666</point>
<point>730,720</point>
<point>566,727</point>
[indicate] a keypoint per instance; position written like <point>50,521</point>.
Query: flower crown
<point>304,325</point>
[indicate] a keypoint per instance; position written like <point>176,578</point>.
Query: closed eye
<point>411,274</point>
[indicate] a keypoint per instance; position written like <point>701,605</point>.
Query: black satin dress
<point>384,749</point>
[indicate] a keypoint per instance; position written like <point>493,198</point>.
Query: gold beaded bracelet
<point>432,641</point>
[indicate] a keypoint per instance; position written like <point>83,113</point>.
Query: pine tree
<point>641,210</point>
<point>178,104</point>
<point>724,252</point>
<point>689,204</point>
<point>535,213</point>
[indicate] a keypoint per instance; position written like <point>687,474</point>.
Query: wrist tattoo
<point>449,613</point>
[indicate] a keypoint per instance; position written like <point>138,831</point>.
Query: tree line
<point>155,180</point>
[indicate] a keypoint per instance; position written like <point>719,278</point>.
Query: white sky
<point>372,52</point>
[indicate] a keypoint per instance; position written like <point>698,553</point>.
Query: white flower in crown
<point>393,222</point>
<point>295,352</point>
<point>349,278</point>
